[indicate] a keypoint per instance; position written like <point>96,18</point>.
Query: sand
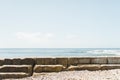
<point>77,75</point>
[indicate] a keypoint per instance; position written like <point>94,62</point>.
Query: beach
<point>113,74</point>
<point>59,40</point>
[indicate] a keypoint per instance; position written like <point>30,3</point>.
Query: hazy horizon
<point>59,24</point>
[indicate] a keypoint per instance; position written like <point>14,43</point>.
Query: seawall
<point>25,67</point>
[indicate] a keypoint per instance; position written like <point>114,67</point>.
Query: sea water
<point>57,52</point>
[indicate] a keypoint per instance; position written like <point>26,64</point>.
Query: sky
<point>59,23</point>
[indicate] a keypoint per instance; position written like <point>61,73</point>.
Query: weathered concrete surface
<point>76,61</point>
<point>45,61</point>
<point>16,68</point>
<point>9,75</point>
<point>99,60</point>
<point>28,61</point>
<point>110,66</point>
<point>113,60</point>
<point>16,61</point>
<point>85,67</point>
<point>8,62</point>
<point>1,62</point>
<point>62,61</point>
<point>48,68</point>
<point>93,67</point>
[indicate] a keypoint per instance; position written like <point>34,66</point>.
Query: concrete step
<point>93,67</point>
<point>48,68</point>
<point>110,66</point>
<point>16,68</point>
<point>6,75</point>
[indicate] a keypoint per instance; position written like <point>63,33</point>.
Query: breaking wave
<point>116,52</point>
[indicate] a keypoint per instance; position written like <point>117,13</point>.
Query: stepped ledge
<point>26,67</point>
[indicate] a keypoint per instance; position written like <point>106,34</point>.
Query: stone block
<point>8,62</point>
<point>99,60</point>
<point>1,62</point>
<point>16,68</point>
<point>76,61</point>
<point>45,61</point>
<point>17,61</point>
<point>14,75</point>
<point>110,66</point>
<point>48,68</point>
<point>114,60</point>
<point>62,61</point>
<point>85,67</point>
<point>28,61</point>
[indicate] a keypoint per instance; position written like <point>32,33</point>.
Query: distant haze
<point>59,23</point>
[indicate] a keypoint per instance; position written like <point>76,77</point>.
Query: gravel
<point>76,75</point>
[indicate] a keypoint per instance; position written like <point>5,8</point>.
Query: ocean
<point>57,52</point>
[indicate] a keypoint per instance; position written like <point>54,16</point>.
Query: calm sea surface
<point>57,52</point>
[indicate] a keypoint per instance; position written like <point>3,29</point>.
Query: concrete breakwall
<point>18,67</point>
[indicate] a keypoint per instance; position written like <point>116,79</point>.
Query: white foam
<point>116,52</point>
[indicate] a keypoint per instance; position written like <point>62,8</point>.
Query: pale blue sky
<point>59,23</point>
